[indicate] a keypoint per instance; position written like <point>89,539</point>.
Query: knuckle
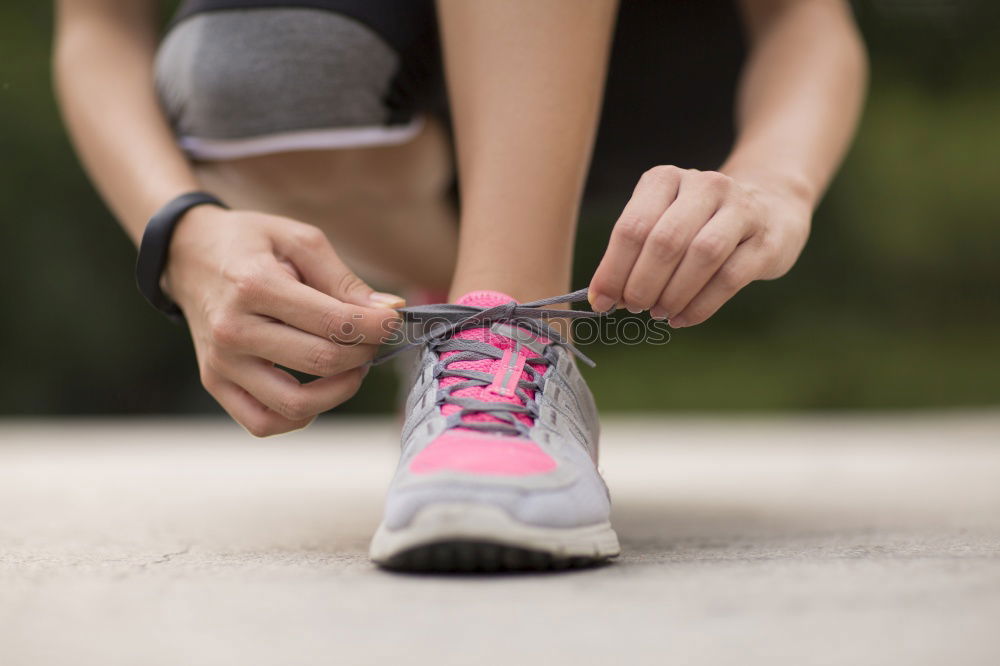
<point>224,331</point>
<point>667,243</point>
<point>663,174</point>
<point>632,228</point>
<point>731,278</point>
<point>249,284</point>
<point>768,247</point>
<point>295,407</point>
<point>310,236</point>
<point>746,207</point>
<point>323,358</point>
<point>715,180</point>
<point>709,247</point>
<point>333,324</point>
<point>348,283</point>
<point>208,377</point>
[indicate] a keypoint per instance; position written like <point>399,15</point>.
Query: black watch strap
<point>156,244</point>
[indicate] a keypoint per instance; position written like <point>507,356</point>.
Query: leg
<point>526,81</point>
<point>500,438</point>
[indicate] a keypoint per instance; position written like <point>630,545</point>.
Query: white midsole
<point>479,522</point>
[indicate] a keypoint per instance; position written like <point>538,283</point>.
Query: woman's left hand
<point>688,240</point>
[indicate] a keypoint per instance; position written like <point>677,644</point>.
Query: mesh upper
<point>486,299</point>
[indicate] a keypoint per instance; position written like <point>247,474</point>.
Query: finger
<point>709,249</point>
<point>282,393</point>
<point>321,268</point>
<point>295,349</point>
<point>697,201</point>
<point>654,193</point>
<point>742,267</point>
<point>249,412</point>
<point>276,294</point>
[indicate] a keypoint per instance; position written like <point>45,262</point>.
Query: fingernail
<point>658,313</point>
<point>382,300</point>
<point>600,302</point>
<point>677,322</point>
<point>633,310</point>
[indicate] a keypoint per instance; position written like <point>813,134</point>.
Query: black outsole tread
<point>483,557</point>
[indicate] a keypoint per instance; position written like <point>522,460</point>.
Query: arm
<point>800,97</point>
<point>687,241</point>
<point>104,80</point>
<point>255,289</point>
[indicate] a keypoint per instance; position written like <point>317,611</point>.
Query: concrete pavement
<point>806,540</point>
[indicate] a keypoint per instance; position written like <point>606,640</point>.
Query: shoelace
<point>446,319</point>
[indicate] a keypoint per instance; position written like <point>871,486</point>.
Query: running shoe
<point>499,447</point>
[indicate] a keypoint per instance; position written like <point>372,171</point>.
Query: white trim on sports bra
<point>315,139</point>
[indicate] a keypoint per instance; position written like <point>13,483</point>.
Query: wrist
<point>793,188</point>
<point>154,249</point>
<point>186,245</point>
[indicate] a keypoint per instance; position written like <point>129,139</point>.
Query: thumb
<point>322,269</point>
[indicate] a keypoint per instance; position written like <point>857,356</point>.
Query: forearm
<point>103,67</point>
<point>525,79</point>
<point>800,96</point>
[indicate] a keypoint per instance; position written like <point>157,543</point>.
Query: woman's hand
<point>688,240</point>
<point>259,290</point>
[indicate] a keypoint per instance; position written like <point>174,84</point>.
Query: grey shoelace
<point>441,322</point>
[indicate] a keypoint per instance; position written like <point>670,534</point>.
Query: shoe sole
<point>474,537</point>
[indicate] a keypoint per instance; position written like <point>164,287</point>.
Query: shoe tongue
<point>484,299</point>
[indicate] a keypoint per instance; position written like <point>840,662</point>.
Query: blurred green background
<point>895,303</point>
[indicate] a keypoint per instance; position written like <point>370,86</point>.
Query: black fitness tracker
<point>155,245</point>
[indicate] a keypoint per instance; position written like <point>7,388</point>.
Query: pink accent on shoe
<point>507,375</point>
<point>462,450</point>
<point>486,299</point>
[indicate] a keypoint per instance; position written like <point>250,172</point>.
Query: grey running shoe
<point>499,448</point>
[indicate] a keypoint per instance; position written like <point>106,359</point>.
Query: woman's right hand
<point>259,290</point>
